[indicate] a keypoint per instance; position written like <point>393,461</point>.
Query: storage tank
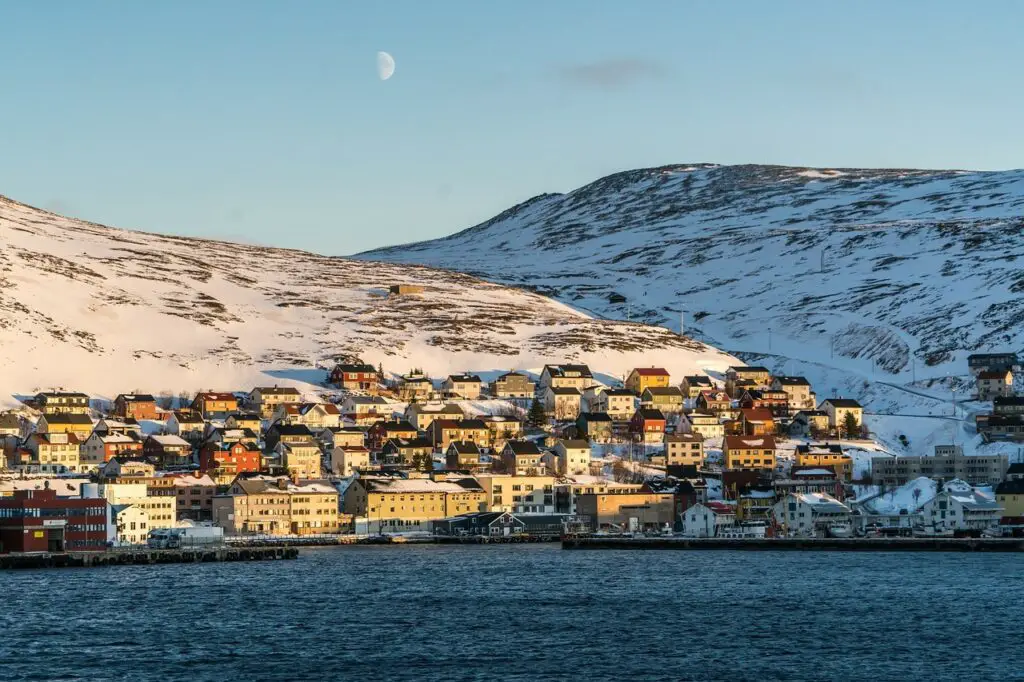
<point>91,491</point>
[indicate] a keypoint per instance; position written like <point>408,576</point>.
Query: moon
<point>385,65</point>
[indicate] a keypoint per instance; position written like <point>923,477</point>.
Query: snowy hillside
<point>102,310</point>
<point>898,273</point>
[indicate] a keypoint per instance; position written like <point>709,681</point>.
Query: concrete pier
<point>146,556</point>
<point>800,544</point>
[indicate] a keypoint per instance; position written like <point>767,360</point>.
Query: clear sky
<point>266,122</point>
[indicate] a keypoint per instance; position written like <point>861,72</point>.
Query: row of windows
<point>50,512</point>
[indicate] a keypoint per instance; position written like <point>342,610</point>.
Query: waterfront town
<point>747,454</point>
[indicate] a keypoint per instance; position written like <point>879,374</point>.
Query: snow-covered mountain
<point>103,310</point>
<point>895,274</point>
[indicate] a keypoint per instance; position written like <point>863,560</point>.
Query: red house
<point>776,401</point>
<point>757,421</point>
<point>230,458</point>
<point>355,377</point>
<point>135,406</point>
<point>39,521</point>
<point>648,425</point>
<point>714,401</point>
<point>383,431</point>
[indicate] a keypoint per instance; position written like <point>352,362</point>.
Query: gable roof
<point>757,414</point>
<point>750,442</point>
<point>595,416</point>
<point>649,414</point>
<point>522,447</point>
<point>464,378</point>
<point>277,390</point>
<point>684,438</point>
<point>749,369</point>
<point>575,444</point>
<point>564,390</point>
<point>135,398</point>
<point>187,417</point>
<point>793,381</point>
<point>664,391</point>
<point>291,429</point>
<point>650,372</point>
<point>848,403</point>
<point>994,374</point>
<point>564,370</point>
<point>401,443</point>
<point>464,447</point>
<point>701,379</point>
<point>66,418</point>
<point>356,368</point>
<point>212,395</point>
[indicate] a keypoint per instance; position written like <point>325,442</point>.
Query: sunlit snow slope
<point>893,273</point>
<point>92,308</point>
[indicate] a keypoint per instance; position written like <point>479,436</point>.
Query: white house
<point>960,507</point>
<point>463,385</point>
<point>346,460</point>
<point>573,457</point>
<point>131,523</point>
<point>563,403</point>
<point>707,520</point>
<point>704,423</point>
<point>812,515</point>
<point>617,403</point>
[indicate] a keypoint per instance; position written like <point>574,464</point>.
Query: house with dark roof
<point>462,455</point>
<point>648,426</point>
<point>994,383</point>
<point>513,385</point>
<point>566,376</point>
<point>465,386</point>
<point>355,377</point>
<point>693,384</point>
<point>522,458</point>
<point>135,406</point>
<point>596,427</point>
<point>838,408</point>
<point>668,399</point>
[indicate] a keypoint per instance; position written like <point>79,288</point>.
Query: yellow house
<point>684,448</point>
<point>749,452</point>
<point>265,399</point>
<point>399,504</point>
<point>506,492</point>
<point>55,452</point>
<point>817,454</point>
<point>276,506</point>
<point>1010,496</point>
<point>301,458</point>
<point>643,378</point>
<point>65,422</point>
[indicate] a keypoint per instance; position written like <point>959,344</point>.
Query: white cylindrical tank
<point>90,491</point>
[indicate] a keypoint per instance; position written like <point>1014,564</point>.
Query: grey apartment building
<point>949,462</point>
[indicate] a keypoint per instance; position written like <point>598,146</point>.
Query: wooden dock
<point>798,544</point>
<point>137,557</point>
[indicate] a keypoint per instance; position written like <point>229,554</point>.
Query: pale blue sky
<point>265,121</point>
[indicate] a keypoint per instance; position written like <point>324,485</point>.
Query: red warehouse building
<point>40,521</point>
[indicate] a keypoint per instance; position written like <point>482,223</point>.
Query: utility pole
<point>682,322</point>
<point>629,310</point>
<point>769,338</point>
<point>822,268</point>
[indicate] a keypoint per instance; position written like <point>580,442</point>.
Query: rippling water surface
<point>521,613</point>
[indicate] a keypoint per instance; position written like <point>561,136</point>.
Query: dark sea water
<point>522,613</point>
